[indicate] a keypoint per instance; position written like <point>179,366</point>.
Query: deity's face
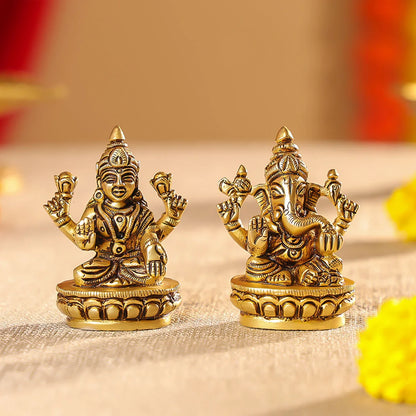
<point>287,189</point>
<point>119,184</point>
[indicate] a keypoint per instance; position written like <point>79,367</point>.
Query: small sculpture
<point>293,278</point>
<point>123,287</point>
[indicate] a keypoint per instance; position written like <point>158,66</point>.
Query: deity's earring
<point>98,195</point>
<point>138,197</point>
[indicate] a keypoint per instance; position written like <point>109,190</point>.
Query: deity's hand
<point>346,208</point>
<point>257,237</point>
<point>229,211</point>
<point>85,234</point>
<point>156,260</point>
<point>329,242</point>
<point>175,205</point>
<point>58,208</point>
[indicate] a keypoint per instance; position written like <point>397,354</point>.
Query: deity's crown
<point>286,158</point>
<point>117,154</point>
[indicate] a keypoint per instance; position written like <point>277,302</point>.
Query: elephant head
<point>287,199</point>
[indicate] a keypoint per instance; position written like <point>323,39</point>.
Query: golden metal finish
<point>119,325</point>
<point>293,278</point>
<point>123,287</point>
<point>292,307</point>
<point>118,308</point>
<point>291,324</point>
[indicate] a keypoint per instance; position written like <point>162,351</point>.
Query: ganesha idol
<point>123,287</point>
<point>293,278</point>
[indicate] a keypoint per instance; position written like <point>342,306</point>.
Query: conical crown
<point>117,137</point>
<point>116,154</point>
<point>286,158</point>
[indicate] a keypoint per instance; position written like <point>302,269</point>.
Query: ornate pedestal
<point>292,307</point>
<point>118,309</point>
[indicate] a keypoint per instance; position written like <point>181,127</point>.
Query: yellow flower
<point>401,207</point>
<point>387,362</point>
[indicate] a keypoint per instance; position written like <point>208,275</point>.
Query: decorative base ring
<point>296,307</point>
<point>260,322</point>
<point>127,308</point>
<point>118,325</point>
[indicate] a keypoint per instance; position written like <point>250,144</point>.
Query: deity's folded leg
<point>135,271</point>
<point>334,262</point>
<point>317,272</point>
<point>94,271</point>
<point>263,269</point>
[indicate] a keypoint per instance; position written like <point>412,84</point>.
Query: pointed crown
<point>286,158</point>
<point>117,154</point>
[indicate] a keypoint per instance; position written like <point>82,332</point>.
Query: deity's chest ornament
<point>293,278</point>
<point>119,226</point>
<point>123,287</point>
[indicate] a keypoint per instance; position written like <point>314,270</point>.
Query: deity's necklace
<point>118,246</point>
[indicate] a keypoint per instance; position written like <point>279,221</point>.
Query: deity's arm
<point>58,210</point>
<point>174,205</point>
<point>346,208</point>
<point>81,234</point>
<point>340,225</point>
<point>174,208</point>
<point>155,257</point>
<point>165,225</point>
<point>346,212</point>
<point>68,227</point>
<point>149,239</point>
<point>229,212</point>
<point>238,233</point>
<point>84,233</point>
<point>330,241</point>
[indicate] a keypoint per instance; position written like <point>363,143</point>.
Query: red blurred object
<point>21,25</point>
<point>383,12</point>
<point>384,120</point>
<point>381,52</point>
<point>380,55</point>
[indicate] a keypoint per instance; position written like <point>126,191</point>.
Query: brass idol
<point>293,278</point>
<point>123,287</point>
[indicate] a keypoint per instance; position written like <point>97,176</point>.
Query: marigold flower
<point>401,207</point>
<point>387,363</point>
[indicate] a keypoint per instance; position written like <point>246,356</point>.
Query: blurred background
<point>186,70</point>
<point>199,87</point>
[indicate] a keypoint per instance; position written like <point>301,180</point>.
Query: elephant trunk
<point>297,226</point>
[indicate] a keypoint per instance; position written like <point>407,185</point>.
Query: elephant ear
<point>262,197</point>
<point>313,193</point>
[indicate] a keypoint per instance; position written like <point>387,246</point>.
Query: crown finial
<point>117,135</point>
<point>242,172</point>
<point>285,157</point>
<point>283,134</point>
<point>284,142</point>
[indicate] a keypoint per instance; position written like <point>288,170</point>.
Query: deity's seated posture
<point>289,243</point>
<point>117,222</point>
